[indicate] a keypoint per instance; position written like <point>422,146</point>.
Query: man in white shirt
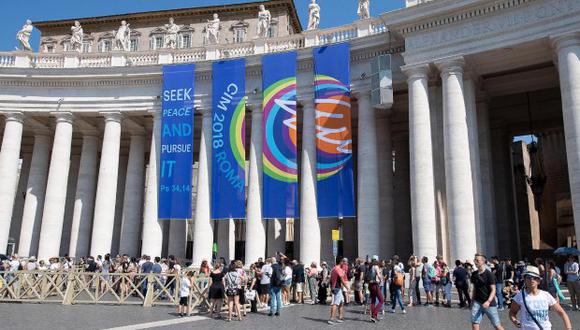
<point>14,263</point>
<point>266,273</point>
<point>571,269</point>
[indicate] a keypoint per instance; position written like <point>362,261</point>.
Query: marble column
<point>487,187</point>
<point>255,231</point>
<point>387,224</point>
<point>9,156</point>
<point>309,226</point>
<point>106,197</point>
<point>568,52</point>
<point>152,231</point>
<point>473,132</point>
<point>203,227</point>
<point>84,197</point>
<point>34,201</point>
<point>459,183</point>
<point>226,238</point>
<point>177,238</point>
<point>367,179</point>
<point>133,196</point>
<point>423,217</point>
<point>56,187</point>
<point>276,236</point>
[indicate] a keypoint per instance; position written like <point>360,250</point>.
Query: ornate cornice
<point>436,13</point>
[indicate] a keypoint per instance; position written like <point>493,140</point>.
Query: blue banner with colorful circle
<point>228,175</point>
<point>279,139</point>
<point>176,148</point>
<point>334,163</point>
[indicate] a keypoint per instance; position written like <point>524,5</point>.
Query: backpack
<point>277,277</point>
<point>431,272</point>
<point>370,274</point>
<point>399,279</point>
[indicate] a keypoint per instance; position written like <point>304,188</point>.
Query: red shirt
<point>337,273</point>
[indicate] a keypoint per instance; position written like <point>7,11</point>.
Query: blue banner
<point>334,167</point>
<point>279,141</point>
<point>176,142</point>
<point>228,175</point>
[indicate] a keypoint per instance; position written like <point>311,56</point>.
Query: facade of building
<point>434,169</point>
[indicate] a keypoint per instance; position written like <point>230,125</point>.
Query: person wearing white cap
<point>533,304</point>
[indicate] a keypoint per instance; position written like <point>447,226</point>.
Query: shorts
<point>183,301</point>
<point>299,287</point>
<point>477,312</point>
<point>337,298</point>
<point>427,285</point>
<point>264,288</point>
<point>358,285</point>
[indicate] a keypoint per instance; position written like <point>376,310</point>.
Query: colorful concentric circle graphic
<point>238,133</point>
<point>280,142</point>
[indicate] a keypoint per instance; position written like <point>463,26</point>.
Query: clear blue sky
<point>15,12</point>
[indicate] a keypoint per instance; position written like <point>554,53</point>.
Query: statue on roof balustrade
<point>123,37</point>
<point>364,9</point>
<point>313,15</point>
<point>264,19</point>
<point>212,30</point>
<point>23,36</point>
<point>76,40</point>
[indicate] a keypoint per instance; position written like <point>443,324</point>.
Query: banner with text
<point>334,164</point>
<point>176,142</point>
<point>279,140</point>
<point>228,175</point>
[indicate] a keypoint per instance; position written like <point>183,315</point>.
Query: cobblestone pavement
<point>55,316</point>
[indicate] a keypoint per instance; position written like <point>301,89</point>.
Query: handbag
<point>250,295</point>
<point>528,309</point>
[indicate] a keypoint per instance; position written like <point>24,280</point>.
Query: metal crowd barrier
<point>79,287</point>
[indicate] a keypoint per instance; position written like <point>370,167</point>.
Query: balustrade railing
<point>143,58</point>
<point>94,61</point>
<point>166,56</point>
<point>286,43</point>
<point>339,34</point>
<point>47,61</point>
<point>7,60</point>
<point>190,55</point>
<point>237,50</point>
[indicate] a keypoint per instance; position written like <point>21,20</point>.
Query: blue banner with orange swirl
<point>279,140</point>
<point>334,164</point>
<point>228,175</point>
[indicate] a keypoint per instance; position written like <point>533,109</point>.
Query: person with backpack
<point>373,277</point>
<point>533,305</point>
<point>397,282</point>
<point>276,282</point>
<point>427,274</point>
<point>233,284</point>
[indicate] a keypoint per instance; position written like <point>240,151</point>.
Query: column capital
<point>451,66</point>
<point>156,113</point>
<point>14,116</point>
<point>416,71</point>
<point>560,42</point>
<point>112,116</point>
<point>63,117</point>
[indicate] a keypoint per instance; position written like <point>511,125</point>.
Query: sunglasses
<point>532,278</point>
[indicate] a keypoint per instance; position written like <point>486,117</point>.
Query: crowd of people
<point>485,287</point>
